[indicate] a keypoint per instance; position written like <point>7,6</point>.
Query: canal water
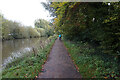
<point>12,49</point>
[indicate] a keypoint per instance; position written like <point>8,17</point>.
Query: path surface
<point>59,64</point>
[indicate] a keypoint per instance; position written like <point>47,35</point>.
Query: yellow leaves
<point>117,33</point>
<point>62,4</point>
<point>110,19</point>
<point>113,72</point>
<point>54,4</point>
<point>55,20</point>
<point>105,77</point>
<point>58,10</point>
<point>106,21</point>
<point>58,5</point>
<point>71,6</point>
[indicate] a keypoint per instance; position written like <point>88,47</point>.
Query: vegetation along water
<point>90,33</point>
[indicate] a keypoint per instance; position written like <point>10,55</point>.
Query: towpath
<point>59,64</point>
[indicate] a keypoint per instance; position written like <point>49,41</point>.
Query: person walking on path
<point>59,37</point>
<point>59,64</point>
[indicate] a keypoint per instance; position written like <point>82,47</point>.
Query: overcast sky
<point>24,11</point>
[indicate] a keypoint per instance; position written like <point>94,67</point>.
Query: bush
<point>90,64</point>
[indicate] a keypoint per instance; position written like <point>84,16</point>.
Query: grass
<point>90,64</point>
<point>28,66</point>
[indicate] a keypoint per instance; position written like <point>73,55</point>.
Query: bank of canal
<point>12,49</point>
<point>29,65</point>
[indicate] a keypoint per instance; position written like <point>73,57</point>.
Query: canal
<point>12,49</point>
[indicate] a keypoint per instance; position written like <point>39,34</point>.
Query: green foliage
<point>44,26</point>
<point>28,66</point>
<point>14,30</point>
<point>41,23</point>
<point>49,8</point>
<point>1,26</point>
<point>96,23</point>
<point>41,31</point>
<point>33,32</point>
<point>91,65</point>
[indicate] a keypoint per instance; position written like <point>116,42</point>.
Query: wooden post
<point>34,51</point>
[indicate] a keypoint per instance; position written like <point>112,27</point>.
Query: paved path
<point>59,64</point>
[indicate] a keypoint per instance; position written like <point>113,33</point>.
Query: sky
<point>24,11</point>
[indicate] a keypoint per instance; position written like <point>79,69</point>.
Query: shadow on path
<point>59,64</point>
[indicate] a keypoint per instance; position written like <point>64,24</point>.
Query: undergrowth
<point>90,63</point>
<point>30,65</point>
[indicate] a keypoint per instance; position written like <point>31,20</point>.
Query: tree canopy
<point>96,23</point>
<point>45,25</point>
<point>15,30</point>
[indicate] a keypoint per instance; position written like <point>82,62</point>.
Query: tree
<point>14,30</point>
<point>44,26</point>
<point>96,23</point>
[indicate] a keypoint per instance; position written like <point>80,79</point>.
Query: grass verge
<point>30,65</point>
<point>89,63</point>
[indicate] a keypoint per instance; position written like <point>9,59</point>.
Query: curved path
<point>59,64</point>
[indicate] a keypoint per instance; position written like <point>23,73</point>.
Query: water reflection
<point>16,48</point>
